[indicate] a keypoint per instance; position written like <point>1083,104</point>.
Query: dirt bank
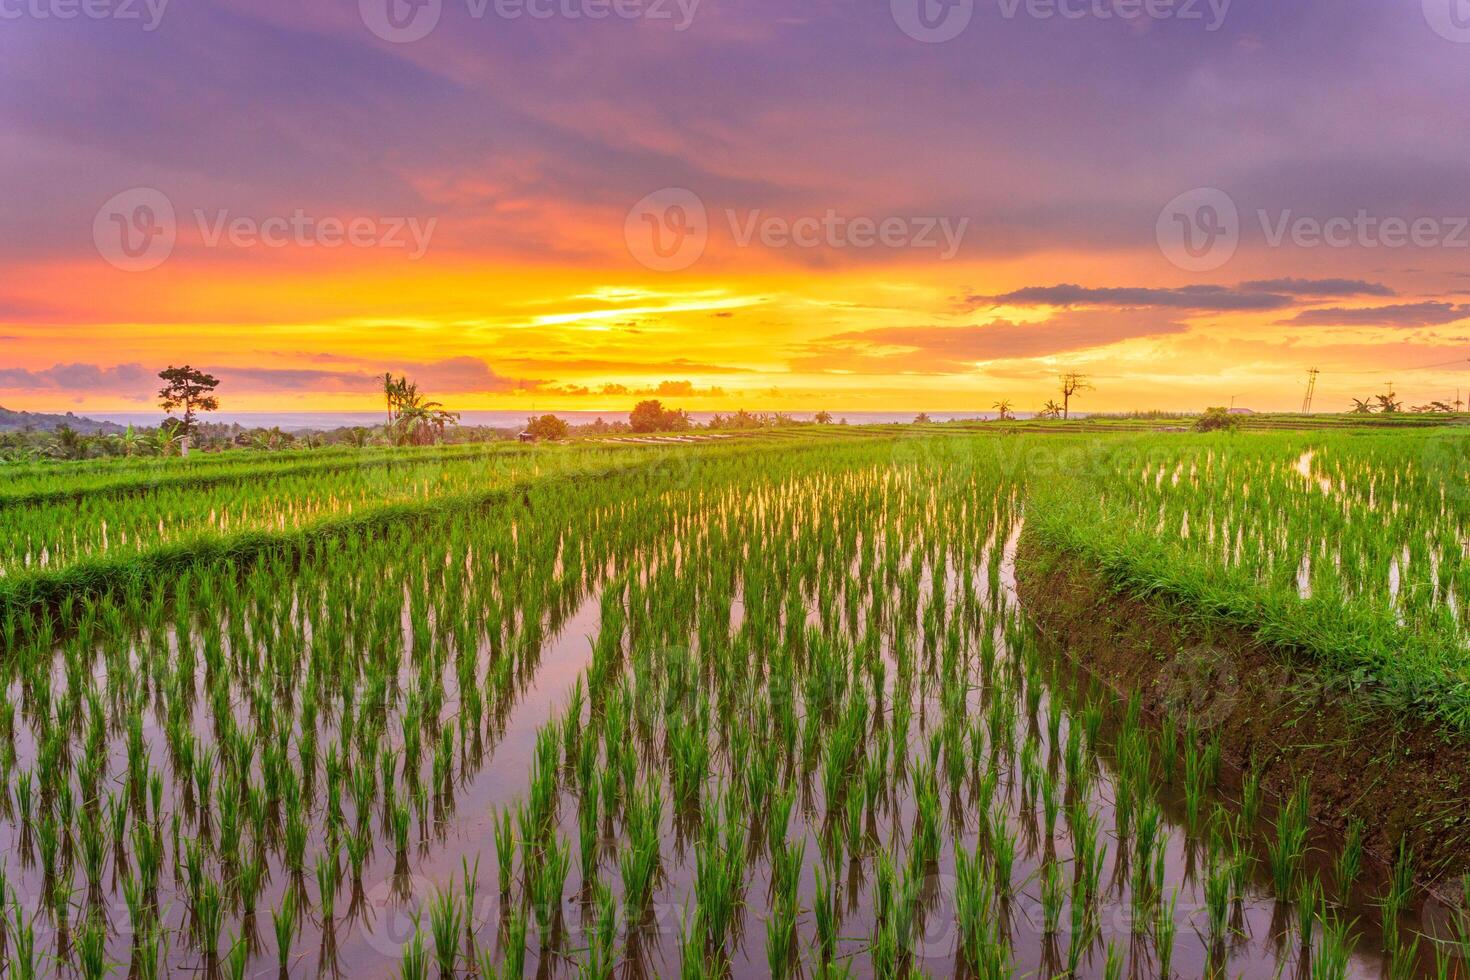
<point>1403,778</point>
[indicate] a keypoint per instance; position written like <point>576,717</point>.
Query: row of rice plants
<point>60,483</point>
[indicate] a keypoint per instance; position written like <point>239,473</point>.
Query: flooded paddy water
<point>787,720</point>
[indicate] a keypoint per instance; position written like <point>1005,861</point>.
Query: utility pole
<point>1311,391</point>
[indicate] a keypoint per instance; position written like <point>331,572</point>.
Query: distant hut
<point>526,437</point>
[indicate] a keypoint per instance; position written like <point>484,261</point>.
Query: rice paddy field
<point>769,707</point>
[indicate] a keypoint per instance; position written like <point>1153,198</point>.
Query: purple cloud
<point>78,377</point>
<point>1317,287</point>
<point>1405,315</point>
<point>1211,298</point>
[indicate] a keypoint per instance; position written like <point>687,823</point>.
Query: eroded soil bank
<point>1404,779</point>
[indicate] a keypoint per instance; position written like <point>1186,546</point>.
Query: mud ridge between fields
<point>1403,778</point>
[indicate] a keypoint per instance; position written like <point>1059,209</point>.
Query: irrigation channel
<point>778,717</point>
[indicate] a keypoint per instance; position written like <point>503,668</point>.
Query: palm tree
<point>1051,411</point>
<point>422,423</point>
<point>1362,406</point>
<point>1004,408</point>
<point>1389,403</point>
<point>69,444</point>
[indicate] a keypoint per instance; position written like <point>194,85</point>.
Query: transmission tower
<point>1311,391</point>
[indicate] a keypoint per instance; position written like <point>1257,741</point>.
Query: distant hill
<point>41,422</point>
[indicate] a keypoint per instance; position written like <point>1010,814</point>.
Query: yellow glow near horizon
<point>312,336</point>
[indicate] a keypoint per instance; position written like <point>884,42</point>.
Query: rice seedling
<point>1053,897</point>
<point>781,938</point>
<point>1333,954</point>
<point>1309,902</point>
<point>1349,864</point>
<point>1403,963</point>
<point>1289,848</point>
<point>504,851</point>
<point>91,949</point>
<point>547,889</point>
<point>638,863</point>
<point>1194,783</point>
<point>283,919</point>
<point>603,936</point>
<point>415,962</point>
<point>446,920</point>
<point>1166,930</point>
<point>514,963</point>
<point>1218,887</point>
<point>1002,853</point>
<point>1396,899</point>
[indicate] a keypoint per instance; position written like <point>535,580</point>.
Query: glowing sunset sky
<point>530,160</point>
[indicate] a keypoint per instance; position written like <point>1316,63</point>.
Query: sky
<point>770,204</point>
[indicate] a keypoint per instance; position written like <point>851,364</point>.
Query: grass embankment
<point>1302,592</point>
<point>1277,715</point>
<point>1345,550</point>
<point>1363,646</point>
